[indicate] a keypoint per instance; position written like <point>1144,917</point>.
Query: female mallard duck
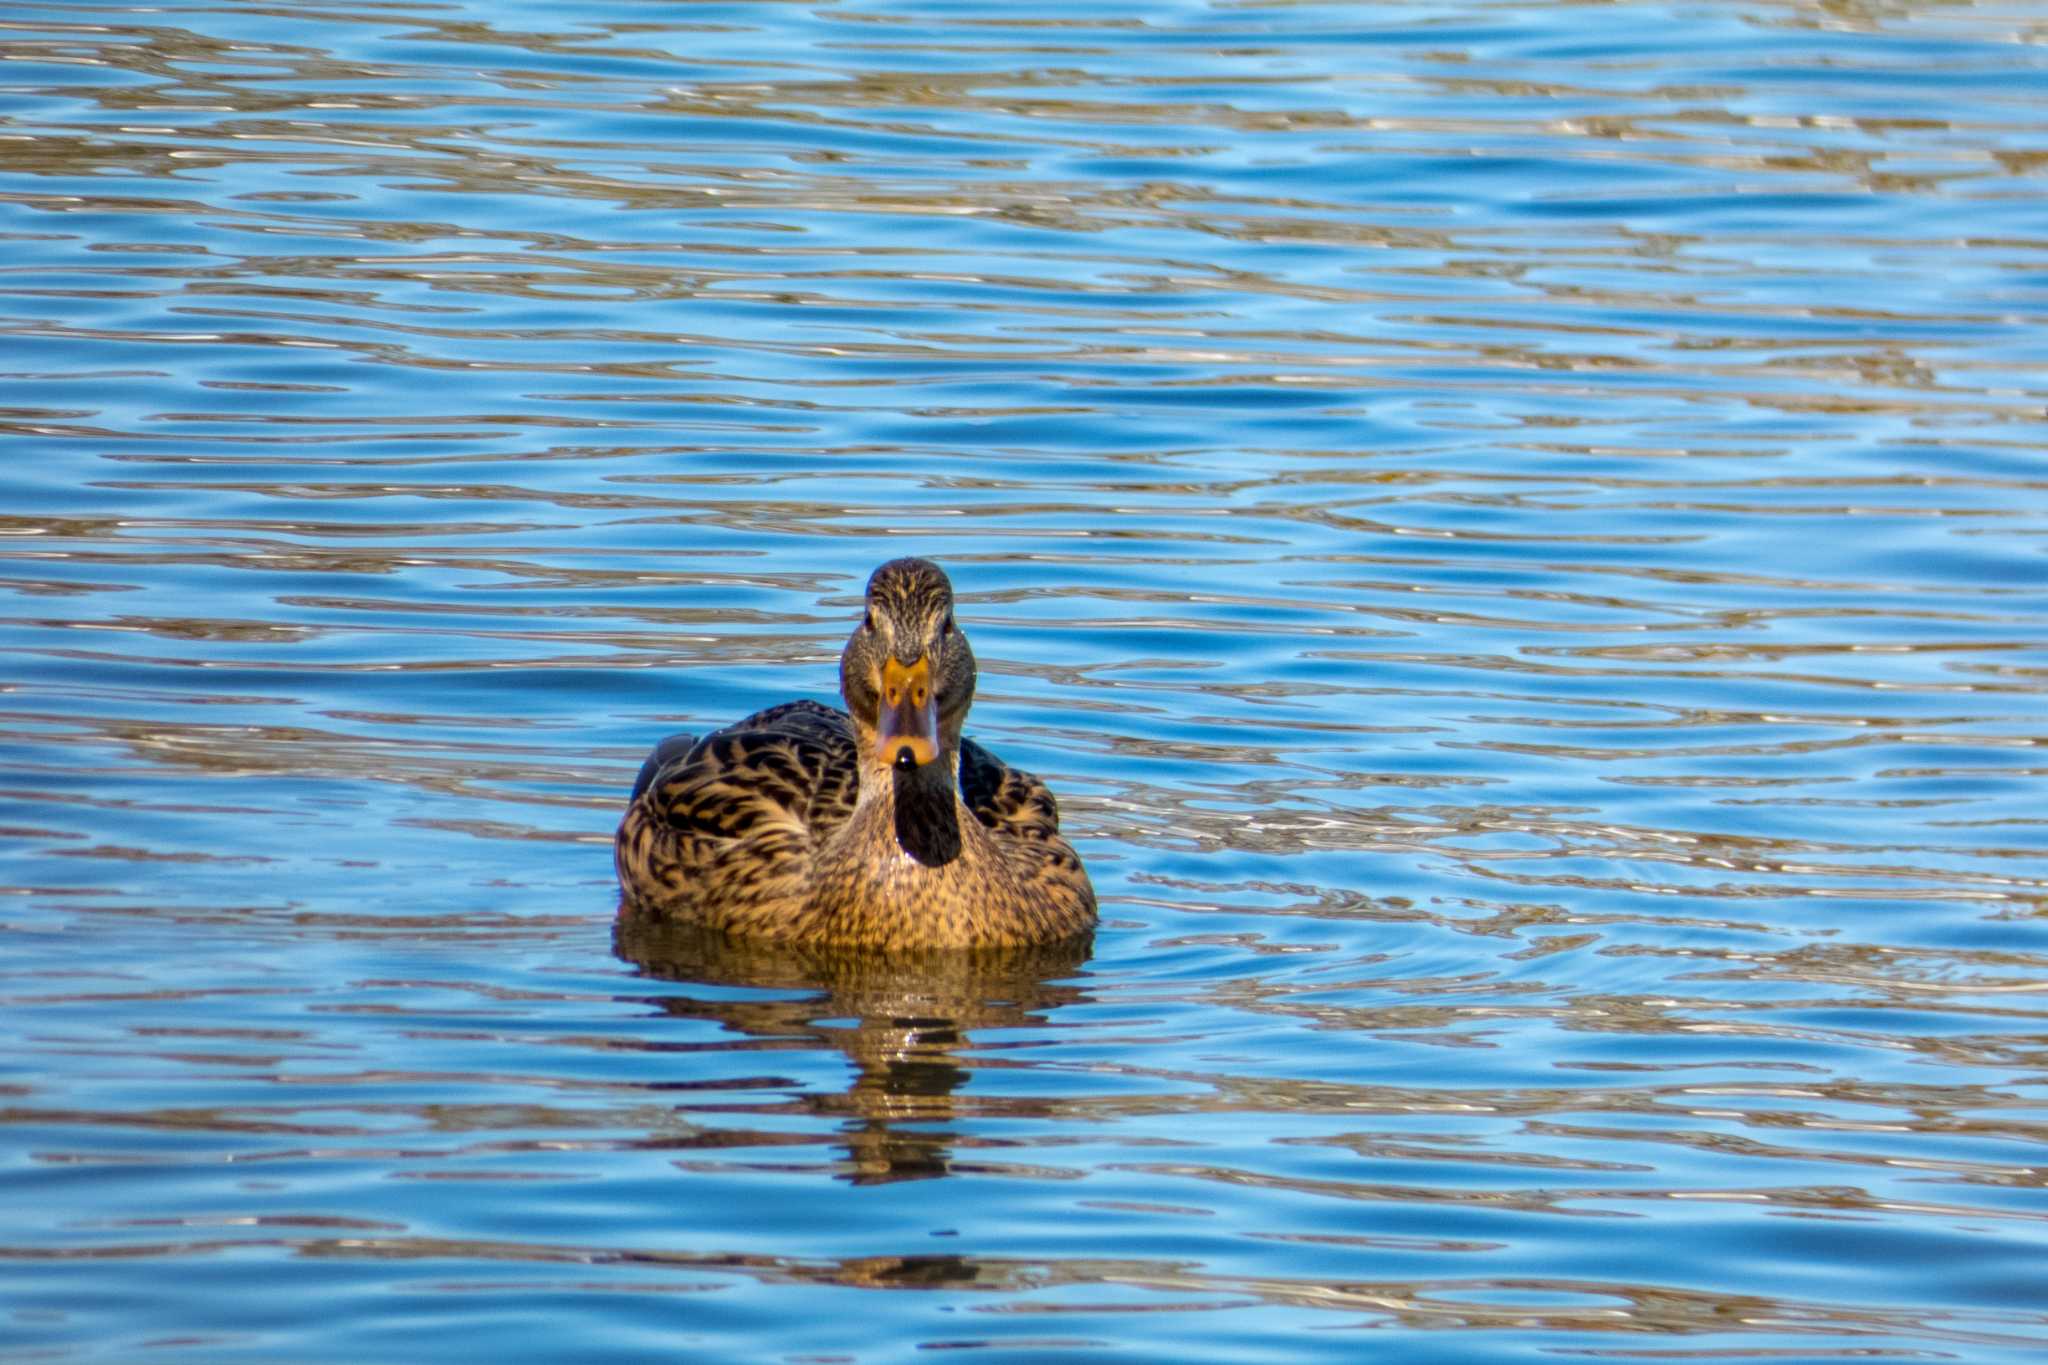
<point>875,827</point>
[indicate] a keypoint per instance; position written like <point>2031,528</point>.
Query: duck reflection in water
<point>904,1020</point>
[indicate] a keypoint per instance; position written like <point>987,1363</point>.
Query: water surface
<point>1515,531</point>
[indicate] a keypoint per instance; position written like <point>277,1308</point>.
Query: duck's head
<point>907,674</point>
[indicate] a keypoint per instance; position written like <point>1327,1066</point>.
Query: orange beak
<point>907,735</point>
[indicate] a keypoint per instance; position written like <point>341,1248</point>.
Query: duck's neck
<point>917,808</point>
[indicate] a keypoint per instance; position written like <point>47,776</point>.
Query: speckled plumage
<point>806,824</point>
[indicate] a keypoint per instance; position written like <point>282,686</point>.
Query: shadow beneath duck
<point>904,1020</point>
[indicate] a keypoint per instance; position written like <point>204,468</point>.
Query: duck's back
<point>797,756</point>
<point>724,826</point>
<point>1007,800</point>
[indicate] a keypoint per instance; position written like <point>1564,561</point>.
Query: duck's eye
<point>869,624</point>
<point>945,627</point>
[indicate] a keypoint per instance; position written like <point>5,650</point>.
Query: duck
<point>879,826</point>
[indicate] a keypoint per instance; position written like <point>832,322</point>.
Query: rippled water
<point>1516,532</point>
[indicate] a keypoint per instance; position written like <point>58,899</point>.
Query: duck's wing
<point>790,764</point>
<point>724,826</point>
<point>1007,800</point>
<point>1056,901</point>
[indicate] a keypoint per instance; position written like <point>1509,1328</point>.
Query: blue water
<point>1516,533</point>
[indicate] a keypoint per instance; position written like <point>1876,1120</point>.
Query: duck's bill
<point>907,735</point>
